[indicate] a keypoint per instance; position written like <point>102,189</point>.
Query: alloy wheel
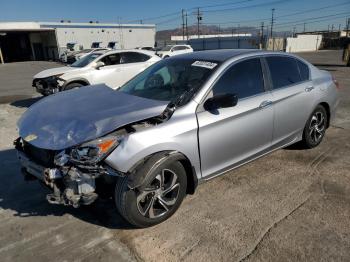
<point>317,127</point>
<point>159,196</point>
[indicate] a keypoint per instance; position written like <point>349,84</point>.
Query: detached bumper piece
<point>70,185</point>
<point>46,86</point>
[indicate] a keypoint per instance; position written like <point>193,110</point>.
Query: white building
<point>181,38</point>
<point>21,41</point>
<point>303,43</point>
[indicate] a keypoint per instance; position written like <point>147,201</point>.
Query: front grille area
<point>41,156</point>
<point>41,82</point>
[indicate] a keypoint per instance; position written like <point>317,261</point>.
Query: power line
<point>312,18</point>
<point>326,18</point>
<point>249,6</point>
<point>188,9</point>
<point>281,16</point>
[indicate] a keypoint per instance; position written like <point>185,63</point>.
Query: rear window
<point>133,57</point>
<point>304,71</point>
<point>284,71</point>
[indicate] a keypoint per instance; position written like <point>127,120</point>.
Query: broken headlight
<point>94,151</point>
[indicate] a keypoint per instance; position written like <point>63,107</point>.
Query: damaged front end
<point>48,85</point>
<point>71,174</point>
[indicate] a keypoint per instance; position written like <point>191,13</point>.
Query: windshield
<point>169,79</point>
<point>167,48</point>
<point>85,60</point>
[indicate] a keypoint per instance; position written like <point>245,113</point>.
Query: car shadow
<point>26,102</point>
<point>28,199</point>
<point>329,65</point>
<point>295,146</point>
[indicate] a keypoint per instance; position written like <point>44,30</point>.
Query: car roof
<point>146,52</point>
<point>219,55</point>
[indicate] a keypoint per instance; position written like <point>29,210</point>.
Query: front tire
<point>72,86</point>
<point>156,199</point>
<point>315,128</point>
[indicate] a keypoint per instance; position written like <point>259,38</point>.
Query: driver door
<point>232,135</point>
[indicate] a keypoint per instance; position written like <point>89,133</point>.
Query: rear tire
<point>315,128</point>
<point>156,199</point>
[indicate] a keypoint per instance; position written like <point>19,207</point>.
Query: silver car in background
<point>182,121</point>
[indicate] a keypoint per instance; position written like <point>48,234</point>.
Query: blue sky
<point>226,12</point>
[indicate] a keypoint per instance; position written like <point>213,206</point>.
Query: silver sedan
<point>180,122</point>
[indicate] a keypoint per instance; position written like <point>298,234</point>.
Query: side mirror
<point>99,64</point>
<point>221,101</point>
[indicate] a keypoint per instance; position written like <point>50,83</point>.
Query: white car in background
<point>113,68</point>
<point>172,50</point>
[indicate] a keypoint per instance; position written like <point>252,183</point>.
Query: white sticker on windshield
<point>205,64</point>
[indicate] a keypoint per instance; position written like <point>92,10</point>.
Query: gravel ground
<point>292,205</point>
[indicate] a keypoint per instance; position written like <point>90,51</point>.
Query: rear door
<point>292,96</point>
<point>228,136</point>
<point>132,63</point>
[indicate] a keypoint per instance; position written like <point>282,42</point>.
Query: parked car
<point>112,68</point>
<point>172,50</point>
<point>182,121</point>
<point>149,48</point>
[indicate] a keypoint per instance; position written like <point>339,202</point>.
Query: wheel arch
<point>82,81</point>
<point>328,111</point>
<point>154,160</point>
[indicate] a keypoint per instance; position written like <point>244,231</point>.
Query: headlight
<point>54,77</point>
<point>94,151</point>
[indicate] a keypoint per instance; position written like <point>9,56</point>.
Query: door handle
<point>309,88</point>
<point>265,103</point>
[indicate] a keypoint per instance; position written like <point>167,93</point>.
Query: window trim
<point>208,93</point>
<point>309,75</point>
<point>270,75</point>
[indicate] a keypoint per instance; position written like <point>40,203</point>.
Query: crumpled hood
<point>55,71</point>
<point>72,117</point>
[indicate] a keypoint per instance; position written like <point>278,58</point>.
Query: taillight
<point>335,81</point>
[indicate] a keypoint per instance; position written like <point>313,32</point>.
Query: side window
<point>284,71</point>
<point>113,59</point>
<point>244,79</point>
<point>304,71</point>
<point>133,57</point>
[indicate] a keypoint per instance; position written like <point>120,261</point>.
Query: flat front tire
<point>156,199</point>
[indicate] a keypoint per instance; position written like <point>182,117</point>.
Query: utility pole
<point>304,27</point>
<point>199,18</point>
<point>238,39</point>
<point>262,35</point>
<point>347,27</point>
<point>272,21</point>
<point>183,25</point>
<point>186,28</point>
<point>294,31</point>
<point>328,29</point>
